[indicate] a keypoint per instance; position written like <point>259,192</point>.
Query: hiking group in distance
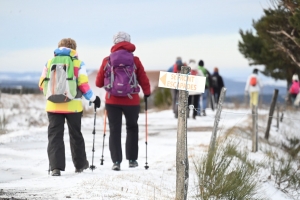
<point>200,101</point>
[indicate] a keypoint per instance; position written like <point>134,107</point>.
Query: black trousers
<point>56,146</point>
<point>194,100</point>
<point>217,92</point>
<point>114,114</point>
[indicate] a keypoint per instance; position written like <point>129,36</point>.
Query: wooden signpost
<point>184,82</point>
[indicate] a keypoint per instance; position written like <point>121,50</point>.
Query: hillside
<point>235,89</point>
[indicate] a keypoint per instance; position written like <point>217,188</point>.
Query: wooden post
<point>277,117</point>
<point>272,108</point>
<point>215,129</point>
<point>182,163</point>
<point>281,117</point>
<point>254,129</point>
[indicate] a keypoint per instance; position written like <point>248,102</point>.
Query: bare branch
<point>288,52</point>
<point>286,34</point>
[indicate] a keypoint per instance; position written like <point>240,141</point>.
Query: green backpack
<point>60,85</point>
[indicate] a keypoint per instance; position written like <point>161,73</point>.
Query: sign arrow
<point>163,79</point>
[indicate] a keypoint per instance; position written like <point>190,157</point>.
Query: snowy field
<point>24,163</point>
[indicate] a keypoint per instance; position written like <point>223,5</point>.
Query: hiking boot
<point>116,166</point>
<point>133,163</point>
<point>55,172</point>
<point>203,113</point>
<point>84,167</point>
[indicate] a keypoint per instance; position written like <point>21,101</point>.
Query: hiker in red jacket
<point>116,106</point>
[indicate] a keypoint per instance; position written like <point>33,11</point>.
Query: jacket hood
<point>64,51</point>
<point>193,66</point>
<point>123,45</point>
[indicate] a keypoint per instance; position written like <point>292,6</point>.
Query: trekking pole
<point>92,167</point>
<point>105,113</point>
<point>146,126</point>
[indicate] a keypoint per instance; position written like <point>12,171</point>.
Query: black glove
<point>97,102</point>
<point>146,96</point>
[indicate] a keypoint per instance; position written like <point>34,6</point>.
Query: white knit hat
<point>121,37</point>
<point>295,77</point>
<point>193,65</point>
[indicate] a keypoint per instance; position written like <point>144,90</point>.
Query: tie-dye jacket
<point>82,80</point>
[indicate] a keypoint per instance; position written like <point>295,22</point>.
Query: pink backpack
<point>294,89</point>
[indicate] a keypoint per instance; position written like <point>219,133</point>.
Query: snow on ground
<point>24,163</point>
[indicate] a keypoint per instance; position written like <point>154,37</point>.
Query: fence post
<point>182,162</point>
<point>272,108</point>
<point>213,138</point>
<point>281,117</point>
<point>277,117</point>
<point>254,129</point>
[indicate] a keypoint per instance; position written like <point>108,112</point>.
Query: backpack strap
<point>111,75</point>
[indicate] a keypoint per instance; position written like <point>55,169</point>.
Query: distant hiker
<point>294,88</point>
<point>252,87</point>
<point>217,84</point>
<point>67,72</point>
<point>175,93</point>
<point>127,103</point>
<point>194,96</point>
<point>205,95</point>
<point>172,68</point>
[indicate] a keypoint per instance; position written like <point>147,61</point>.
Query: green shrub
<point>162,97</point>
<point>285,168</point>
<point>292,147</point>
<point>229,175</point>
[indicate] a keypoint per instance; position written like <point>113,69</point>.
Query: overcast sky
<point>160,29</point>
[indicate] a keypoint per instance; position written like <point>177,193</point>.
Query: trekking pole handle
<point>90,103</point>
<point>146,103</point>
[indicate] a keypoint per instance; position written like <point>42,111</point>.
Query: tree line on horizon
<point>275,44</point>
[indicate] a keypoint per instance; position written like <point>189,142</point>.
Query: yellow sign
<point>182,81</point>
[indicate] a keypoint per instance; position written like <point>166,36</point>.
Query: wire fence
<point>250,114</point>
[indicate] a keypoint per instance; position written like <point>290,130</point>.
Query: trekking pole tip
<point>92,167</point>
<point>146,166</point>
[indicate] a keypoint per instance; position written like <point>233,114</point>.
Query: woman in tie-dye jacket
<point>71,112</point>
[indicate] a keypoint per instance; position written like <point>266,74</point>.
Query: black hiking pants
<point>56,146</point>
<point>114,114</point>
<point>217,92</point>
<point>194,100</point>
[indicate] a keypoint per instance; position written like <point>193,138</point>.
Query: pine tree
<point>276,44</point>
